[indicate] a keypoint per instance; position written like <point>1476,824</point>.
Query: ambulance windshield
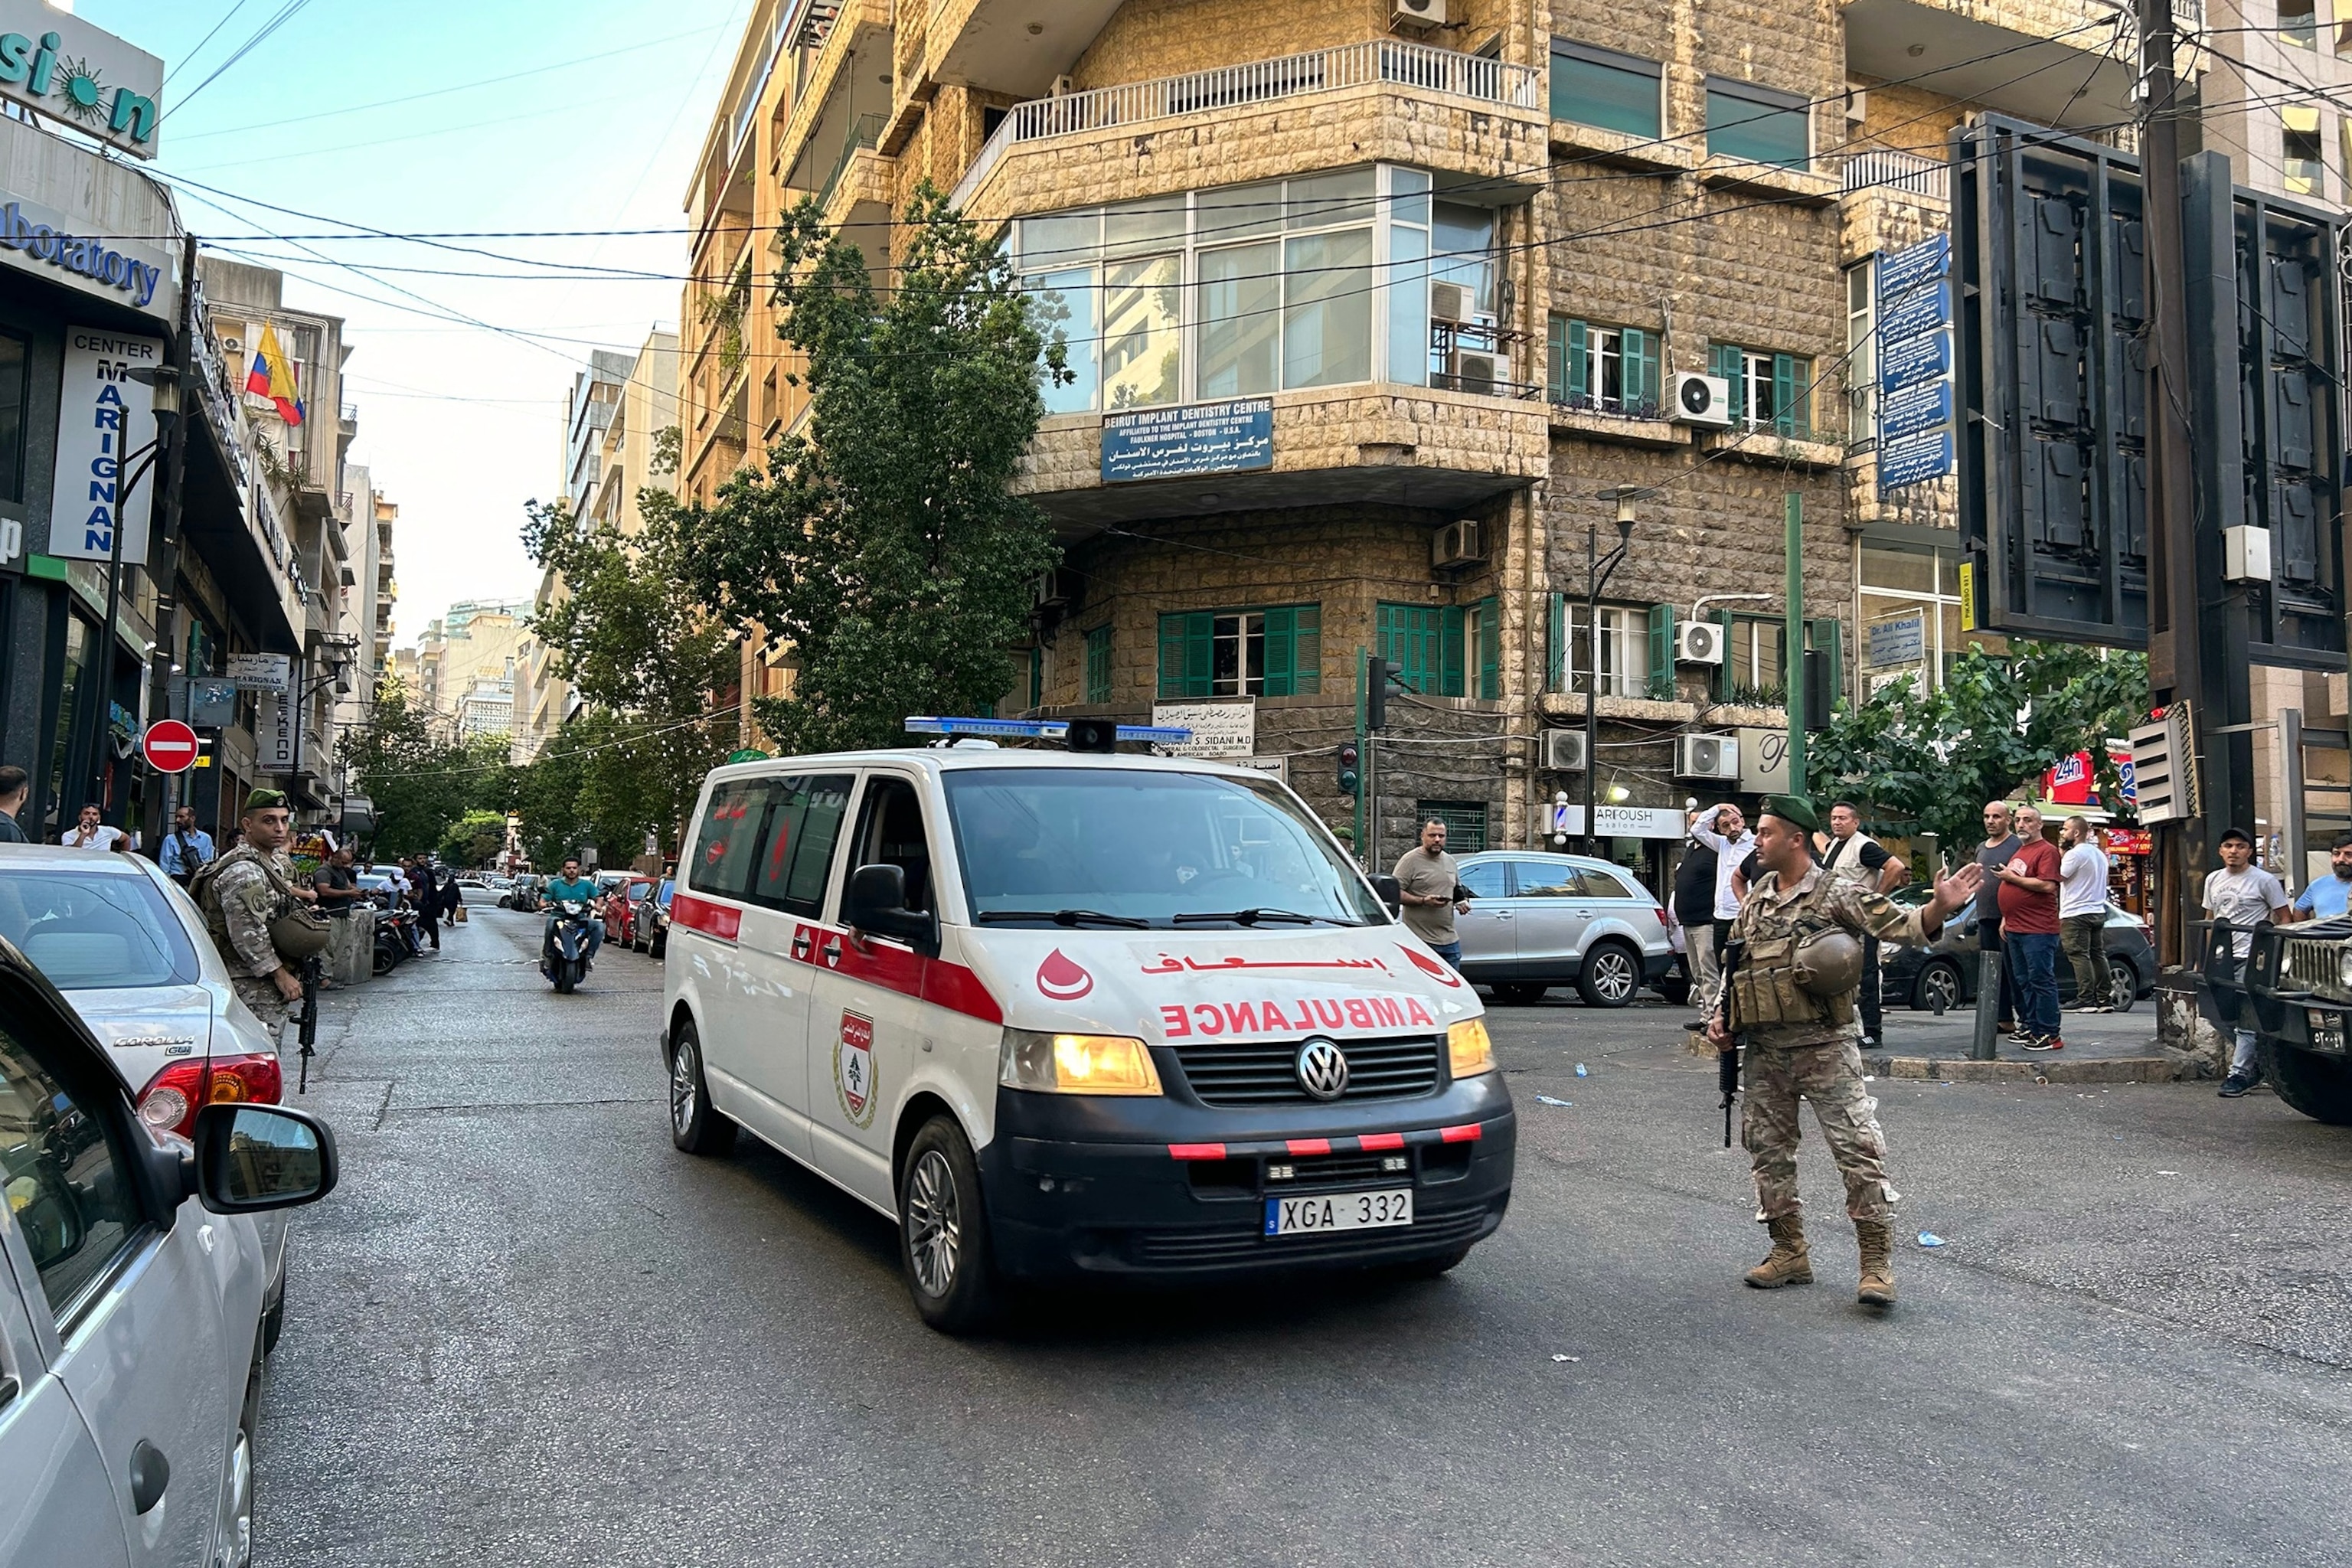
<point>1127,845</point>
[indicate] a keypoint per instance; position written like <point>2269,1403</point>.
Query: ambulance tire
<point>693,1126</point>
<point>941,1212</point>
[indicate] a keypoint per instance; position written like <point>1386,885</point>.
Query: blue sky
<point>460,424</point>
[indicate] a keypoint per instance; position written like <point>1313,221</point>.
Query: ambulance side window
<point>891,833</point>
<point>727,845</point>
<point>797,863</point>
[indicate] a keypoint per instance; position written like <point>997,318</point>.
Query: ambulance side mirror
<point>1391,894</point>
<point>877,902</point>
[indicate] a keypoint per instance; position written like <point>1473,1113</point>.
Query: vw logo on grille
<point>1322,1068</point>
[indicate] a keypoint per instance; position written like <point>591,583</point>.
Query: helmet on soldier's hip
<point>1828,963</point>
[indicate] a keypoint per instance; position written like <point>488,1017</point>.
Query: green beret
<point>1793,808</point>
<point>265,800</point>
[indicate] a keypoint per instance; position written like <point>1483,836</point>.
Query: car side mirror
<point>1390,892</point>
<point>877,902</point>
<point>255,1157</point>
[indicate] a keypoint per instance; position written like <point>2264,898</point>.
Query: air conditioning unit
<point>1451,301</point>
<point>1699,399</point>
<point>1056,590</point>
<point>1476,370</point>
<point>1417,13</point>
<point>1698,642</point>
<point>1564,750</point>
<point>1061,88</point>
<point>1707,756</point>
<point>1458,543</point>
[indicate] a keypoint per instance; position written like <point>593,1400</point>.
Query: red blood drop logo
<point>1431,967</point>
<point>1063,980</point>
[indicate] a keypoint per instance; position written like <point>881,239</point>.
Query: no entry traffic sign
<point>169,746</point>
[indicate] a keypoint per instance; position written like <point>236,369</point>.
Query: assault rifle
<point>1726,1063</point>
<point>310,1021</point>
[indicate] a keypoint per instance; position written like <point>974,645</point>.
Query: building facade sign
<point>276,740</point>
<point>258,671</point>
<point>1219,729</point>
<point>1763,762</point>
<point>111,268</point>
<point>1199,438</point>
<point>1623,821</point>
<point>105,431</point>
<point>81,75</point>
<point>1899,641</point>
<point>1915,345</point>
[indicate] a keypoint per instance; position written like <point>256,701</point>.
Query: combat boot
<point>1878,1289</point>
<point>1788,1263</point>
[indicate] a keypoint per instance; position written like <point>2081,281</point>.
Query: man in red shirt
<point>2029,924</point>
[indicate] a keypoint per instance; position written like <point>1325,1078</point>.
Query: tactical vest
<point>295,932</point>
<point>1763,990</point>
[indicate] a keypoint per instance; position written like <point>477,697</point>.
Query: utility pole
<point>163,559</point>
<point>1792,657</point>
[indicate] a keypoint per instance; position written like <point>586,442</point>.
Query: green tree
<point>883,543</point>
<point>419,783</point>
<point>1931,759</point>
<point>475,838</point>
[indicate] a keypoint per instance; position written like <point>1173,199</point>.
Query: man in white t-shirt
<point>2245,895</point>
<point>2083,914</point>
<point>92,834</point>
<point>1722,829</point>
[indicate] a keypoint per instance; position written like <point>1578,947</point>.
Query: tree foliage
<point>419,783</point>
<point>1931,759</point>
<point>883,543</point>
<point>475,838</point>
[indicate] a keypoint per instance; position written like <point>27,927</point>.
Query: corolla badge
<point>1322,1068</point>
<point>1061,979</point>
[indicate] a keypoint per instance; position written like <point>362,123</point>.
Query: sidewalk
<point>2101,1047</point>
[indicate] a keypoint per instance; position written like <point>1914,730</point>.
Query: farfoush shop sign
<point>106,435</point>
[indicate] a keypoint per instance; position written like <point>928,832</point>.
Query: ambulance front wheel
<point>943,1241</point>
<point>693,1126</point>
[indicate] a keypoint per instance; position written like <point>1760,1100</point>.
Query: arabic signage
<point>1199,438</point>
<point>105,431</point>
<point>81,76</point>
<point>1219,729</point>
<point>258,672</point>
<point>1903,639</point>
<point>1914,346</point>
<point>1623,821</point>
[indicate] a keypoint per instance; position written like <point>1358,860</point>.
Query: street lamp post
<point>165,383</point>
<point>1597,568</point>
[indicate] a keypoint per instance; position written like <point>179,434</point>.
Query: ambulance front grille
<point>1266,1073</point>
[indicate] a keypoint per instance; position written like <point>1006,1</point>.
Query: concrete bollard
<point>351,950</point>
<point>2182,1031</point>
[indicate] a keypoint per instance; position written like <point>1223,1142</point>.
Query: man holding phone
<point>1430,890</point>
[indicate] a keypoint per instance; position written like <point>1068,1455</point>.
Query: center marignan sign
<point>58,65</point>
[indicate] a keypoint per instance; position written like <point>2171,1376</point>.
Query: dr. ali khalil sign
<point>60,66</point>
<point>1915,363</point>
<point>105,431</point>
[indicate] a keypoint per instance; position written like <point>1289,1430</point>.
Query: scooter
<point>563,954</point>
<point>392,941</point>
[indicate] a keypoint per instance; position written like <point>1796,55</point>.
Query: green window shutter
<point>1172,656</point>
<point>1306,649</point>
<point>1826,634</point>
<point>1556,360</point>
<point>1641,373</point>
<point>1281,630</point>
<point>1729,360</point>
<point>1200,654</point>
<point>1579,348</point>
<point>1556,646</point>
<point>1098,664</point>
<point>1490,647</point>
<point>1629,349</point>
<point>1662,652</point>
<point>1448,668</point>
<point>1721,684</point>
<point>1389,638</point>
<point>1785,394</point>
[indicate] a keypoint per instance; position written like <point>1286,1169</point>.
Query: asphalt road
<point>526,1330</point>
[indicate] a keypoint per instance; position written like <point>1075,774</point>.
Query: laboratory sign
<point>1199,438</point>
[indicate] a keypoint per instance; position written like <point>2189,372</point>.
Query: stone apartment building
<point>467,668</point>
<point>1378,309</point>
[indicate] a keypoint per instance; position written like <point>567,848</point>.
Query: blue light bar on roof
<point>1037,730</point>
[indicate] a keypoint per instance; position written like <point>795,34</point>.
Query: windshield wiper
<point>1252,916</point>
<point>1065,917</point>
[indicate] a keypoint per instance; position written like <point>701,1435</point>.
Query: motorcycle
<point>395,939</point>
<point>563,952</point>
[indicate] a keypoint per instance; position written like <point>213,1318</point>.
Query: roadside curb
<point>2091,1070</point>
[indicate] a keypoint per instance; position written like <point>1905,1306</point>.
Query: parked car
<point>621,910</point>
<point>134,1274</point>
<point>1536,921</point>
<point>523,895</point>
<point>1943,974</point>
<point>649,921</point>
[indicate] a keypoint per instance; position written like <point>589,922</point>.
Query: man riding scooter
<point>572,887</point>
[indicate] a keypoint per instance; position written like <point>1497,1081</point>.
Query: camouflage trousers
<point>261,996</point>
<point>1831,1078</point>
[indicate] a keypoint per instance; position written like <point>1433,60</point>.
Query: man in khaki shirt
<point>1429,880</point>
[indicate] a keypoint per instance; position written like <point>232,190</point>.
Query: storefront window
<point>1908,605</point>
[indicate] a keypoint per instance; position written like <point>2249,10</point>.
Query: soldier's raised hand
<point>1953,892</point>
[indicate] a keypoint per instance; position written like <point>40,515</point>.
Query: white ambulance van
<point>1076,1015</point>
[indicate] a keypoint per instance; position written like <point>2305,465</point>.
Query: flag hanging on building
<point>271,376</point>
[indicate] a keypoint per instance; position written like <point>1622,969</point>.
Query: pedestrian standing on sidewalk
<point>2083,914</point>
<point>16,784</point>
<point>187,849</point>
<point>1694,906</point>
<point>2029,924</point>
<point>2000,844</point>
<point>1431,891</point>
<point>1855,856</point>
<point>1721,829</point>
<point>426,897</point>
<point>91,832</point>
<point>2330,896</point>
<point>2245,895</point>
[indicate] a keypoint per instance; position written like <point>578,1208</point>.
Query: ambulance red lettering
<point>1359,1013</point>
<point>1390,1014</point>
<point>1210,1020</point>
<point>1173,1024</point>
<point>1241,1017</point>
<point>1328,1012</point>
<point>1270,1018</point>
<point>1419,1014</point>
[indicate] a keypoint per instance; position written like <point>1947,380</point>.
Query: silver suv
<point>1536,921</point>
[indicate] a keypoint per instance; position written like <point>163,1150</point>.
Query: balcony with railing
<point>1398,83</point>
<point>854,168</point>
<point>2056,62</point>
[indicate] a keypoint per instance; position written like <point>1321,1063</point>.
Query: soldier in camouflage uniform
<point>1803,1044</point>
<point>239,900</point>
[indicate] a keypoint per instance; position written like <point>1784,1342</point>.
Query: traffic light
<point>1381,681</point>
<point>1349,777</point>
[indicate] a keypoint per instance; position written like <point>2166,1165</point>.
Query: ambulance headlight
<point>1076,1064</point>
<point>1472,1052</point>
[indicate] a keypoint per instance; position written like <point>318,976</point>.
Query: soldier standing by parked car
<point>247,892</point>
<point>1791,973</point>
